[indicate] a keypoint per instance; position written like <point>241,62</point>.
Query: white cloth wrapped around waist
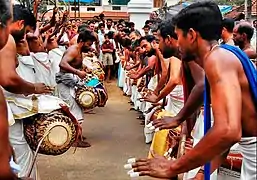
<point>175,100</point>
<point>248,148</point>
<point>197,134</point>
<point>26,106</point>
<point>153,83</point>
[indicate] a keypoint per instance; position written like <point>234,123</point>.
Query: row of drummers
<point>140,83</point>
<point>49,123</point>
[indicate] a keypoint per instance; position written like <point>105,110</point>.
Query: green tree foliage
<point>230,2</point>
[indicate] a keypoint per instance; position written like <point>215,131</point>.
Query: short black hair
<point>5,11</point>
<point>101,25</point>
<point>121,21</point>
<point>119,24</point>
<point>148,21</point>
<point>167,28</point>
<point>109,20</point>
<point>126,30</point>
<point>101,15</point>
<point>20,12</point>
<point>110,34</point>
<point>229,24</point>
<point>82,27</point>
<point>126,42</point>
<point>247,29</point>
<point>131,24</point>
<point>85,36</point>
<point>91,22</point>
<point>204,17</point>
<point>148,38</point>
<point>146,26</point>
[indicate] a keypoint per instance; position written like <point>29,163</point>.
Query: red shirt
<point>107,45</point>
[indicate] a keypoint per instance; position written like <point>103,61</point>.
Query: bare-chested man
<point>12,82</point>
<point>233,96</point>
<point>171,66</point>
<point>5,148</point>
<point>150,60</point>
<point>243,33</point>
<point>70,71</point>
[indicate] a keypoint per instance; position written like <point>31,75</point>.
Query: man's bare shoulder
<point>251,53</point>
<point>72,51</point>
<point>10,45</point>
<point>220,63</point>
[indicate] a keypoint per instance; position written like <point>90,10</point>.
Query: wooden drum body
<point>56,129</point>
<point>86,97</point>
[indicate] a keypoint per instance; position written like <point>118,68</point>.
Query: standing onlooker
<point>109,26</point>
<point>227,31</point>
<point>146,30</point>
<point>107,50</point>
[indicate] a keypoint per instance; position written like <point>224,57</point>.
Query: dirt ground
<point>115,135</point>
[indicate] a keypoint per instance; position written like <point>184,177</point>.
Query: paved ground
<point>115,135</point>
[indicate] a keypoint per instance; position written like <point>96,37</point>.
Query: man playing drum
<point>67,78</point>
<point>230,75</point>
<point>5,148</point>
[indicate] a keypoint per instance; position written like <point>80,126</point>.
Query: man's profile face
<point>186,47</point>
<point>146,46</point>
<point>237,37</point>
<point>87,46</point>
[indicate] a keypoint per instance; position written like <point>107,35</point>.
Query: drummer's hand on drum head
<point>41,88</point>
<point>166,123</point>
<point>81,74</point>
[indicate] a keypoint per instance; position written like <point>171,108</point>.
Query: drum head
<point>57,130</point>
<point>58,135</point>
<point>87,99</point>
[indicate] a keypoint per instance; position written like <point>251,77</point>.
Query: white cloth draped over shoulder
<point>43,69</point>
<point>23,106</point>
<point>55,57</point>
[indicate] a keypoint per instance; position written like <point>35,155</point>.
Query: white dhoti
<point>248,149</point>
<point>133,93</point>
<point>197,134</point>
<point>67,93</point>
<point>175,100</point>
<point>23,153</point>
<point>127,84</point>
<point>147,132</point>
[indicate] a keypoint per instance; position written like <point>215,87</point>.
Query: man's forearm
<point>213,144</point>
<point>194,102</point>
<point>15,84</point>
<point>166,91</point>
<point>66,67</point>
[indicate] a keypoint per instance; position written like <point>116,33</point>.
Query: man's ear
<point>20,24</point>
<point>244,36</point>
<point>192,35</point>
